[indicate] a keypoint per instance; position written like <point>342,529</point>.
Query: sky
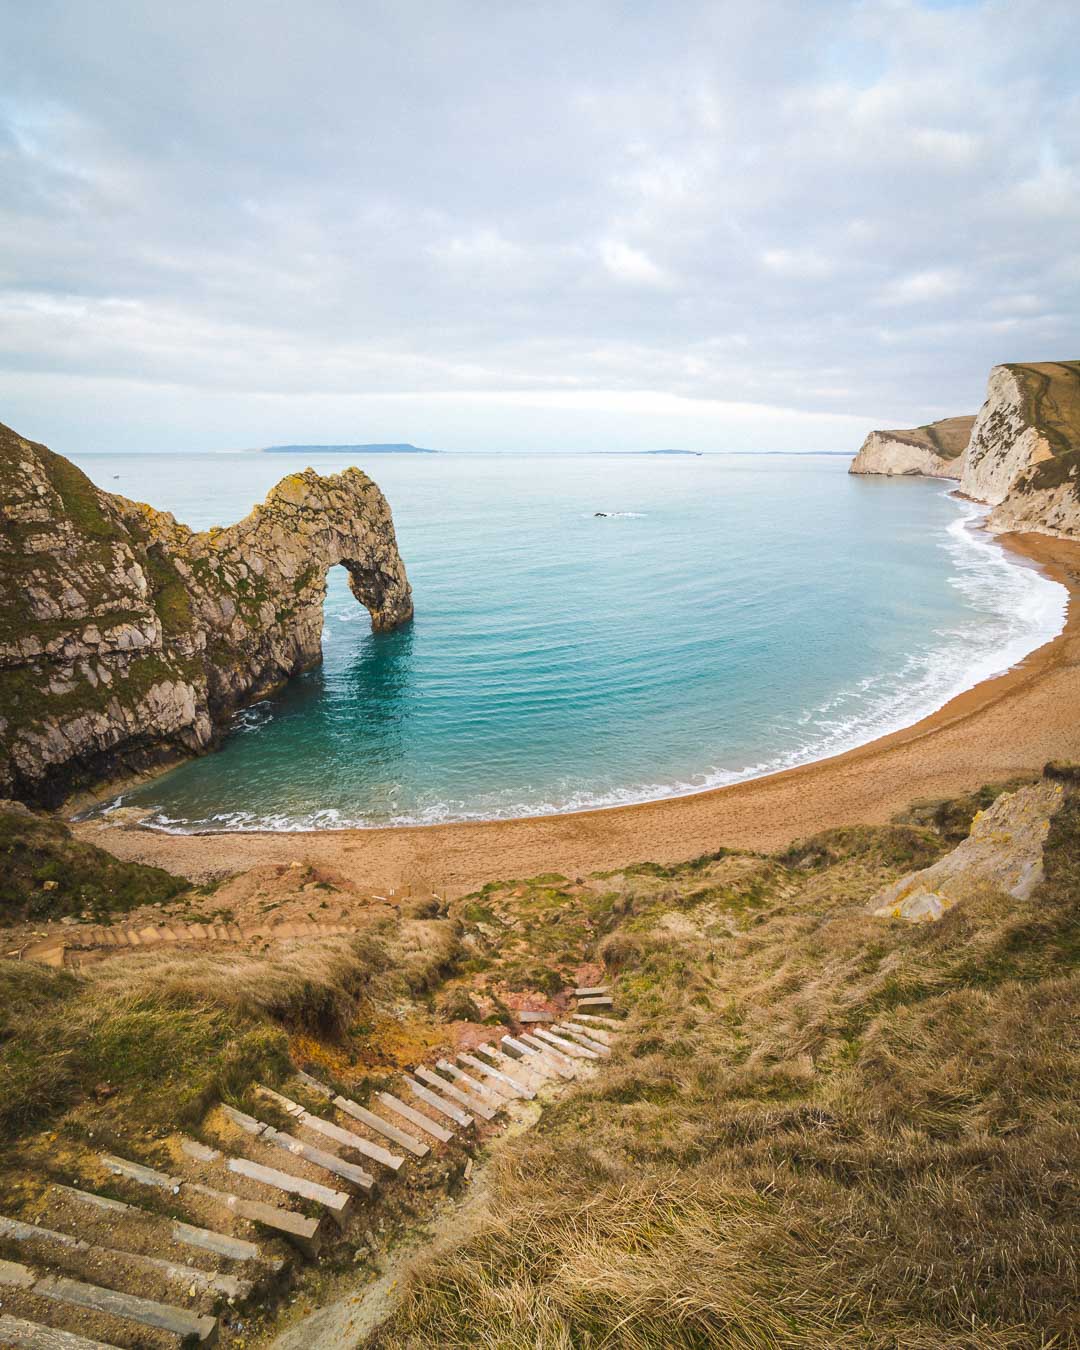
<point>527,224</point>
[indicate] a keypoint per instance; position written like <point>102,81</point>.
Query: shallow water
<point>736,615</point>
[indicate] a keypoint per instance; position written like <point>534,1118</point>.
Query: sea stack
<point>127,640</point>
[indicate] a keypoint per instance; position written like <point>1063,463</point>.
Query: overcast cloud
<point>536,225</point>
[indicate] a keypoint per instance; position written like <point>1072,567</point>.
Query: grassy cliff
<point>821,1129</point>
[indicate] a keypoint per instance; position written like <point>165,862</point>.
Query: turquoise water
<point>740,614</point>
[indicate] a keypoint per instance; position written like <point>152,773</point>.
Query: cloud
<point>631,265</point>
<point>923,288</point>
<point>807,213</point>
<point>799,264</point>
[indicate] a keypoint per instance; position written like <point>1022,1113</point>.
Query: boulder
<point>1004,850</point>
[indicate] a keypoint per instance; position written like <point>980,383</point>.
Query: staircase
<point>225,1223</point>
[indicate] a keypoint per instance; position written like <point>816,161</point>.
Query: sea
<point>725,617</point>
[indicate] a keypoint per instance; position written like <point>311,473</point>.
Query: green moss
<point>82,500</point>
<point>170,595</point>
<point>476,913</point>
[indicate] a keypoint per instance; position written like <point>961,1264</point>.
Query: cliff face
<point>1024,454</point>
<point>127,639</point>
<point>932,451</point>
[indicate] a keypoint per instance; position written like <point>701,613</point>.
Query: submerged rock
<point>1004,850</point>
<point>933,451</point>
<point>127,640</point>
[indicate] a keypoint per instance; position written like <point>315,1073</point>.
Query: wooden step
<point>350,1108</point>
<point>344,1137</point>
<point>524,1015</point>
<point>16,1230</point>
<point>414,1117</point>
<point>536,1054</point>
<point>145,1176</point>
<point>221,1244</point>
<point>437,1103</point>
<point>568,1047</point>
<point>519,1070</point>
<point>297,1227</point>
<point>612,1022</point>
<point>596,989</point>
<point>146,1311</point>
<point>546,1048</point>
<point>337,1202</point>
<point>532,1058</point>
<point>516,1086</point>
<point>565,1062</point>
<point>305,1233</point>
<point>447,1089</point>
<point>596,1033</point>
<point>581,1037</point>
<point>18,1334</point>
<point>195,1148</point>
<point>494,1095</point>
<point>601,1001</point>
<point>328,1162</point>
<point>407,1141</point>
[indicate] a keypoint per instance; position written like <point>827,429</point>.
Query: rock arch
<point>127,639</point>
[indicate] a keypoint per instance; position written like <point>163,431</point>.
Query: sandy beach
<point>1005,726</point>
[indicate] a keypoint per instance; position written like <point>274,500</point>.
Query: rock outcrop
<point>1004,850</point>
<point>1024,455</point>
<point>932,451</point>
<point>127,639</point>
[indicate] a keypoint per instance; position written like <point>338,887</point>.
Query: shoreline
<point>1006,725</point>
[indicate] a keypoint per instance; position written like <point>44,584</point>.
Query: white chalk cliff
<point>1023,458</point>
<point>932,451</point>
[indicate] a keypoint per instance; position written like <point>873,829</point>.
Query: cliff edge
<point>932,451</point>
<point>1024,454</point>
<point>127,639</point>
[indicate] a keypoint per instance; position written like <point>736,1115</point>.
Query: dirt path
<point>1006,726</point>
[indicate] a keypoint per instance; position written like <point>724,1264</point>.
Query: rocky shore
<point>127,640</point>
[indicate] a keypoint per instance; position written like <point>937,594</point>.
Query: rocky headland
<point>932,451</point>
<point>127,639</point>
<point>1020,455</point>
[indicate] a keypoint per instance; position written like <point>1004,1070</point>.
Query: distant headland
<point>698,453</point>
<point>388,449</point>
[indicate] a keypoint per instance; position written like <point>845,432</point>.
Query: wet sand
<point>1006,726</point>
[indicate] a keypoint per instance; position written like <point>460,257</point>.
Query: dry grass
<point>162,1036</point>
<point>820,1129</point>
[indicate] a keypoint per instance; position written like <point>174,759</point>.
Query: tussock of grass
<point>830,1130</point>
<point>951,817</point>
<point>46,874</point>
<point>170,1034</point>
